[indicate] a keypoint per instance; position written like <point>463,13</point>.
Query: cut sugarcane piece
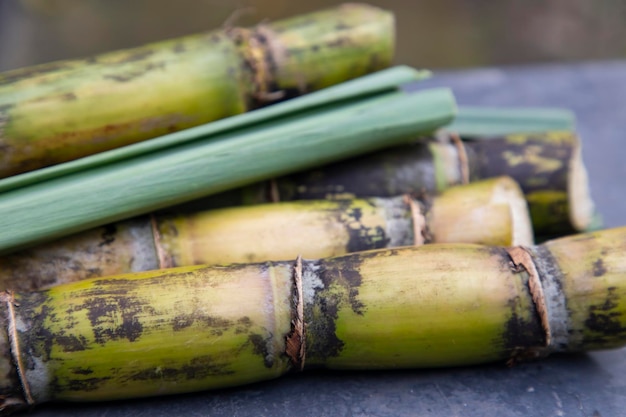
<point>196,328</point>
<point>123,189</point>
<point>380,82</point>
<point>487,212</point>
<point>548,166</point>
<point>64,110</point>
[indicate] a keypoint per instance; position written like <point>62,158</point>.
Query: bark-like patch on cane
<point>131,75</point>
<point>87,384</point>
<point>108,235</point>
<point>262,346</point>
<point>346,272</point>
<point>340,282</point>
<point>28,72</point>
<point>105,314</point>
<point>136,55</point>
<point>320,316</point>
<point>197,368</point>
<point>71,343</point>
<point>520,332</point>
<point>82,371</point>
<point>38,341</point>
<point>361,237</point>
<point>243,325</point>
<point>604,321</point>
<point>524,157</point>
<point>598,268</point>
<point>182,322</point>
<point>217,325</point>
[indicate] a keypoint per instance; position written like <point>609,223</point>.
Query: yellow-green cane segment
<point>65,110</point>
<point>488,212</point>
<point>195,328</point>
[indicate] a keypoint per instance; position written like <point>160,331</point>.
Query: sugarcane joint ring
<point>9,298</point>
<point>295,340</point>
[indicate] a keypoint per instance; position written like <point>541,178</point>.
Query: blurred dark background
<point>431,33</point>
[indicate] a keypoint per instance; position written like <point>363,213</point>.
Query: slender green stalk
<point>65,110</point>
<point>485,122</point>
<point>93,197</point>
<point>196,328</point>
<point>488,212</point>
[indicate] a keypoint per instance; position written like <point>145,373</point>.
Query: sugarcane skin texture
<point>242,234</point>
<point>410,323</point>
<point>422,168</point>
<point>545,207</point>
<point>65,110</point>
<point>157,332</point>
<point>357,38</point>
<point>178,330</point>
<point>540,163</point>
<point>400,170</point>
<point>449,305</point>
<point>139,185</point>
<point>117,99</point>
<point>110,250</point>
<point>593,269</point>
<point>313,229</point>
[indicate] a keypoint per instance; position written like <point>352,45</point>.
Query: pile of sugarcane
<point>351,225</point>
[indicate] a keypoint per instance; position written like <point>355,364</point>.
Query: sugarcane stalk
<point>196,328</point>
<point>487,212</point>
<point>548,166</point>
<point>134,186</point>
<point>380,82</point>
<point>61,111</point>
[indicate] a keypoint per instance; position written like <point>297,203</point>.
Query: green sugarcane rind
<point>485,122</point>
<point>368,85</point>
<point>62,111</point>
<point>105,194</point>
<point>194,328</point>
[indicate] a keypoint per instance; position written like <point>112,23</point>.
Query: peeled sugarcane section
<point>65,110</point>
<point>197,328</point>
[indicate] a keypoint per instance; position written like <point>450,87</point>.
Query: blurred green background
<point>431,33</point>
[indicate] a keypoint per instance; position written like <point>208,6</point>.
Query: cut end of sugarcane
<point>489,212</point>
<point>582,211</point>
<point>507,191</point>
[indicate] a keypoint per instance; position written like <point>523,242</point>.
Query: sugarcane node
<point>8,297</point>
<point>163,256</point>
<point>421,234</point>
<point>523,261</point>
<point>295,347</point>
<point>463,160</point>
<point>273,190</point>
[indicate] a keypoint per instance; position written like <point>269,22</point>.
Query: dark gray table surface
<point>591,384</point>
